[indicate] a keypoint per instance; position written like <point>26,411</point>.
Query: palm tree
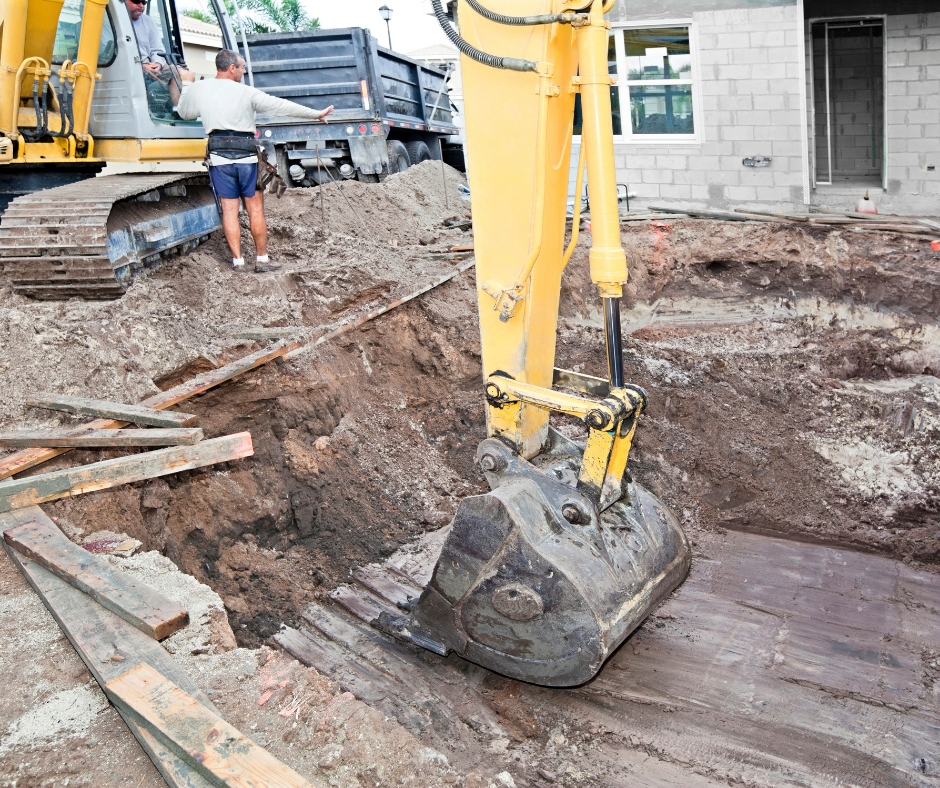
<point>263,16</point>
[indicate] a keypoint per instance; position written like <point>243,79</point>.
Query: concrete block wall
<point>750,74</point>
<point>913,98</point>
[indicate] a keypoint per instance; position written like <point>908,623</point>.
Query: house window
<point>658,81</point>
<point>656,97</point>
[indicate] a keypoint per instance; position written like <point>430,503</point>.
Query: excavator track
<point>88,239</point>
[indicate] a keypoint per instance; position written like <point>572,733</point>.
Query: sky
<point>413,24</point>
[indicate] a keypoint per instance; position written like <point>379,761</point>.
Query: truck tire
<point>398,160</point>
<point>418,152</point>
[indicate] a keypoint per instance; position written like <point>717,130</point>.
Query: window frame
<point>114,54</point>
<point>623,85</point>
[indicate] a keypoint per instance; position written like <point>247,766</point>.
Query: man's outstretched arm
<point>267,104</point>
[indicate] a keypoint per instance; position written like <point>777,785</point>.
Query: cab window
<point>69,29</point>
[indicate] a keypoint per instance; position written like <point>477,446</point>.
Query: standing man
<point>227,109</point>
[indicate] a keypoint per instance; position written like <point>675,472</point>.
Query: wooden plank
<point>870,216</point>
<point>110,473</point>
<point>187,436</point>
<point>929,223</point>
<point>200,738</point>
<point>382,310</point>
<point>29,458</point>
<point>721,215</point>
<point>139,605</point>
<point>99,637</point>
<point>137,414</point>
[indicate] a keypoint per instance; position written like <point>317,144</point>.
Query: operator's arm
<point>272,105</point>
<point>188,106</point>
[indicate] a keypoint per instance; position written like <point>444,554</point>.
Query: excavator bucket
<point>520,589</point>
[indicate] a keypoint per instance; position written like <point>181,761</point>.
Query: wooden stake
<point>29,458</point>
<point>140,606</point>
<point>202,739</point>
<point>138,414</point>
<point>15,494</point>
<point>101,438</point>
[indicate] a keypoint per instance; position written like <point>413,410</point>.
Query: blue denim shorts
<point>234,180</point>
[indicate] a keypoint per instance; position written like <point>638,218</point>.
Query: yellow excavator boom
<point>544,576</point>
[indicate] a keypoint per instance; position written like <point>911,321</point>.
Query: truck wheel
<point>418,152</point>
<point>398,160</point>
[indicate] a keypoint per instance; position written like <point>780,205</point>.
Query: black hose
<point>541,19</point>
<point>494,61</point>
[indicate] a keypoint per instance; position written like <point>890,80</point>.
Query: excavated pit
<point>794,391</point>
<point>793,373</point>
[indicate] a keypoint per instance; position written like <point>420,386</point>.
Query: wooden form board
<point>29,458</point>
<point>17,493</point>
<point>138,414</point>
<point>198,736</point>
<point>140,606</point>
<point>99,637</point>
<point>186,436</point>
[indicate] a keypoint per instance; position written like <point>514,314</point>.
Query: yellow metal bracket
<point>611,423</point>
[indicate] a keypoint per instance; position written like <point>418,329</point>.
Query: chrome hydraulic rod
<point>614,342</point>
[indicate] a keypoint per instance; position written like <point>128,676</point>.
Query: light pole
<point>386,13</point>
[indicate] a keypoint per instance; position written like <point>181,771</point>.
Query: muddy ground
<point>794,376</point>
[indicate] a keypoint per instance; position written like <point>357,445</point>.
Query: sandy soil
<point>795,385</point>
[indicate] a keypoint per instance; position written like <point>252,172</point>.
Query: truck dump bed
<point>345,67</point>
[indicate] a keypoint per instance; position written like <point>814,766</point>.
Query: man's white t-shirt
<point>226,105</point>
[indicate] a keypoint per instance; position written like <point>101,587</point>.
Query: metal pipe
<point>614,342</point>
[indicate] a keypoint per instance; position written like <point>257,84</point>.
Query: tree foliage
<point>262,16</point>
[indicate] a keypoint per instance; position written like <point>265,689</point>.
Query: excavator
<point>544,576</point>
<point>73,98</point>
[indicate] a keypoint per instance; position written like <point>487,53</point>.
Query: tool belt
<point>239,145</point>
<point>232,144</point>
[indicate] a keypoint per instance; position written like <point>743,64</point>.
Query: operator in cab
<point>164,81</point>
<point>227,110</point>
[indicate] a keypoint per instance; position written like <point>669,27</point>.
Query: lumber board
<point>29,458</point>
<point>199,737</point>
<point>139,605</point>
<point>381,311</point>
<point>137,414</point>
<point>929,223</point>
<point>721,215</point>
<point>186,436</point>
<point>16,493</point>
<point>99,636</point>
<point>870,216</point>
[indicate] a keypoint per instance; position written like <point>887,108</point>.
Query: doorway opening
<point>849,102</point>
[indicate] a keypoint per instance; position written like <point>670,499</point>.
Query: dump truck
<point>390,111</point>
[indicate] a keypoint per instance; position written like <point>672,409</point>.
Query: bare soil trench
<point>794,377</point>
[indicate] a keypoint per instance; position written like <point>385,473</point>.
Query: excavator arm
<point>544,576</point>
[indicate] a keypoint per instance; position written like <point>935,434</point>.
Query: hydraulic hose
<point>494,61</point>
<point>541,19</point>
